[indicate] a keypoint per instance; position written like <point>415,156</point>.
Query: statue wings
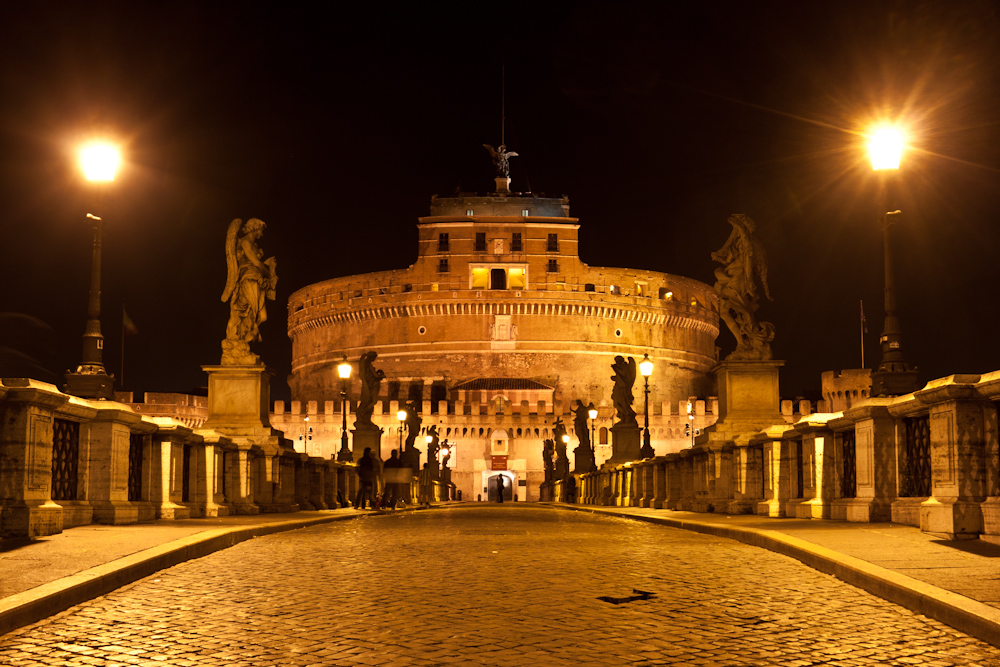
<point>232,268</point>
<point>499,154</point>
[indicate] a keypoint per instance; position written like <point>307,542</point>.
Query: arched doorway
<point>508,487</point>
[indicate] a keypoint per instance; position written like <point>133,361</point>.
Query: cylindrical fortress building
<point>498,316</point>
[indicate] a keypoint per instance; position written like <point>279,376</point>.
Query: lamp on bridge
<point>646,369</point>
<point>99,162</point>
<point>401,416</point>
<point>592,413</point>
<point>894,376</point>
<point>344,371</point>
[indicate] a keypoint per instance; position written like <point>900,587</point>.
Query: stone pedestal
<point>239,399</point>
<point>109,456</point>
<point>26,508</point>
<point>958,452</point>
<point>361,438</point>
<point>875,464</point>
<point>625,444</point>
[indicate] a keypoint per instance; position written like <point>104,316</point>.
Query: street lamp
<point>99,161</point>
<point>401,416</point>
<point>344,371</point>
<point>690,424</point>
<point>646,369</point>
<point>894,375</point>
<point>592,413</point>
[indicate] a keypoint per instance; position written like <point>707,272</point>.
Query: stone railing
<point>929,459</point>
<point>66,461</point>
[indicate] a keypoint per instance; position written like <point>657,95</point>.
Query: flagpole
<point>123,349</point>
<point>862,334</point>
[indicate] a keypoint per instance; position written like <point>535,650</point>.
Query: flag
<point>864,323</point>
<point>127,324</point>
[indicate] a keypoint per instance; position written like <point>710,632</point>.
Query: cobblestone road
<point>512,585</point>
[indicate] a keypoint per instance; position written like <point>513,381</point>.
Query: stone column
<point>26,507</point>
<point>673,471</point>
<point>744,493</point>
<point>167,469</point>
<point>958,467</point>
<point>776,472</point>
<point>659,482</point>
<point>875,463</point>
<point>109,464</point>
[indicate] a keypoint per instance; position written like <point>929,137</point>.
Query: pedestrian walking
<point>366,475</point>
<point>426,485</point>
<point>499,488</point>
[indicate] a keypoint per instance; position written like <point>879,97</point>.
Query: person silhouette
<point>500,486</point>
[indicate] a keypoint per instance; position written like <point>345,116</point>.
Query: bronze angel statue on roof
<point>500,156</point>
<point>744,263</point>
<point>250,280</point>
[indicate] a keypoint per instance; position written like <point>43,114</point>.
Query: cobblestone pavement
<point>512,585</point>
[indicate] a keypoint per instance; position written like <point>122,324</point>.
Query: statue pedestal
<point>239,399</point>
<point>625,444</point>
<point>748,390</point>
<point>365,437</point>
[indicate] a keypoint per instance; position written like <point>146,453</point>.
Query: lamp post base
<point>90,382</point>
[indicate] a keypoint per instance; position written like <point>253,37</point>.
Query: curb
<point>964,614</point>
<point>40,602</point>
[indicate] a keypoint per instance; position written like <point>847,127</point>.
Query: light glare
<point>99,162</point>
<point>885,148</point>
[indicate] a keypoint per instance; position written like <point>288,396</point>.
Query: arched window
<point>603,437</point>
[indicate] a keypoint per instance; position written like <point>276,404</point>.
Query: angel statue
<point>371,379</point>
<point>621,395</point>
<point>250,280</point>
<point>744,262</point>
<point>500,156</point>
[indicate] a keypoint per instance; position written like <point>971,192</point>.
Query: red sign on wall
<point>499,462</point>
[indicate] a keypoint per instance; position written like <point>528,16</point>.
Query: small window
<point>442,243</point>
<point>408,287</point>
<point>589,287</point>
<point>553,266</point>
<point>665,293</point>
<point>443,265</point>
<point>480,241</point>
<point>434,287</point>
<point>553,243</point>
<point>357,293</point>
<point>480,277</point>
<point>640,289</point>
<point>615,289</point>
<point>516,278</point>
<point>524,213</point>
<point>469,212</point>
<point>515,242</point>
<point>603,437</point>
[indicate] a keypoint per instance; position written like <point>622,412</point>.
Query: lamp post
<point>401,416</point>
<point>592,413</point>
<point>690,424</point>
<point>344,371</point>
<point>646,369</point>
<point>894,376</point>
<point>99,162</point>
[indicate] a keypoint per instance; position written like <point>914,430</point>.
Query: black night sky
<point>336,125</point>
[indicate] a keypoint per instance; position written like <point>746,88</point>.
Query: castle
<point>494,332</point>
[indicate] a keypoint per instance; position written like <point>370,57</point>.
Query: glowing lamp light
<point>885,148</point>
<point>99,161</point>
<point>401,415</point>
<point>565,438</point>
<point>344,369</point>
<point>444,451</point>
<point>429,439</point>
<point>592,413</point>
<point>646,366</point>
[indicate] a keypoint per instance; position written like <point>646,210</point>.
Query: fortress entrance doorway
<point>490,484</point>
